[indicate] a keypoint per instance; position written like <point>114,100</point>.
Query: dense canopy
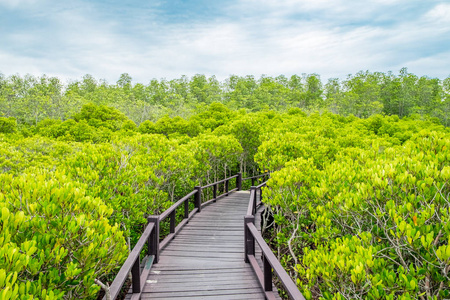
<point>359,188</point>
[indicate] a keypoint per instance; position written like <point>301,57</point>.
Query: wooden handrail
<point>174,206</point>
<point>269,257</point>
<point>253,204</point>
<point>254,178</point>
<point>132,263</point>
<point>226,183</point>
<point>250,203</point>
<point>252,235</point>
<point>258,187</point>
<point>220,181</point>
<point>151,236</point>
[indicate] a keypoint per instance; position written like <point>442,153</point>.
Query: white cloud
<point>328,11</point>
<point>430,65</point>
<point>17,3</point>
<point>440,13</point>
<point>272,41</point>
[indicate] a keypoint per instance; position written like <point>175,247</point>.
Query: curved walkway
<point>206,258</point>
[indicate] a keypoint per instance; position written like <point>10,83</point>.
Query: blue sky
<point>167,39</point>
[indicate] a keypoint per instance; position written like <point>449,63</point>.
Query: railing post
<point>136,276</point>
<point>172,221</point>
<point>254,198</point>
<point>260,194</point>
<point>249,245</point>
<point>267,275</point>
<point>198,198</point>
<point>226,186</point>
<point>215,192</point>
<point>153,242</point>
<point>239,181</point>
<point>253,181</point>
<point>186,208</point>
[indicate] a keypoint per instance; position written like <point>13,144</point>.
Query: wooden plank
<point>205,260</point>
<point>189,248</point>
<point>206,225</point>
<point>198,286</point>
<point>192,236</point>
<point>225,236</point>
<point>207,278</point>
<point>216,228</point>
<point>171,295</point>
<point>211,256</point>
<point>218,256</point>
<point>244,295</point>
<point>217,297</point>
<point>208,233</point>
<point>207,249</point>
<point>202,278</point>
<point>206,271</point>
<point>183,263</point>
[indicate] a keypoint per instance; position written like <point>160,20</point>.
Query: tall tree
<point>312,95</point>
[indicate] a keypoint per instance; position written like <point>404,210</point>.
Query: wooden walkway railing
<point>150,241</point>
<point>270,262</point>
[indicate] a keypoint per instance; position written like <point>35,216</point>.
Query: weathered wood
<point>241,293</point>
<point>216,297</point>
<point>198,198</point>
<point>262,258</point>
<point>220,181</point>
<point>167,212</point>
<point>239,181</point>
<point>201,285</point>
<point>153,241</point>
<point>193,247</point>
<point>205,278</point>
<point>130,263</point>
<point>272,261</point>
<point>214,200</point>
<point>222,267</point>
<point>207,292</point>
<point>222,255</point>
<point>204,260</point>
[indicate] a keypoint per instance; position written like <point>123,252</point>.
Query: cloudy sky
<point>156,39</point>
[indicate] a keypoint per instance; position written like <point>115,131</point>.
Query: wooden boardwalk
<point>206,258</point>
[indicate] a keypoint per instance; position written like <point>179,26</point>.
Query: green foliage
<point>71,130</point>
<point>31,99</point>
<point>92,124</point>
<point>55,240</point>
<point>216,155</point>
<point>169,126</point>
<point>247,130</point>
<point>361,206</point>
<point>370,221</point>
<point>147,127</point>
<point>16,155</point>
<point>213,116</point>
<point>84,197</point>
<point>101,116</point>
<point>8,125</point>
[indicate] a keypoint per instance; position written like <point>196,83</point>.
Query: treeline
<point>32,99</point>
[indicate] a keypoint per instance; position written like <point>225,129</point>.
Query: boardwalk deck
<point>206,259</point>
